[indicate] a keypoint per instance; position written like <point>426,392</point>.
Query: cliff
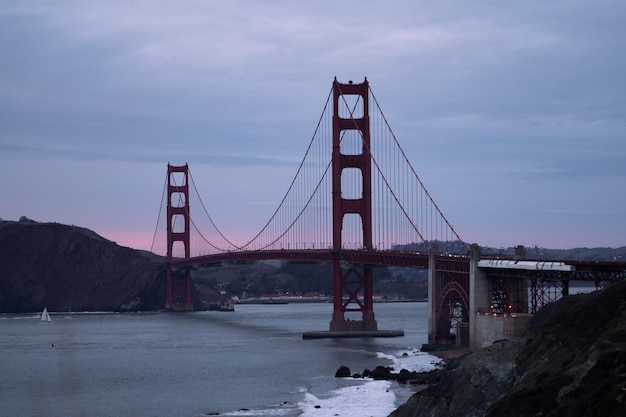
<point>68,268</point>
<point>572,362</point>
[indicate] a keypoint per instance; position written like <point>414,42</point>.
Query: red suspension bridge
<point>355,201</point>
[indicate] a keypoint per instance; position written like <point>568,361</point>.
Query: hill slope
<point>70,268</point>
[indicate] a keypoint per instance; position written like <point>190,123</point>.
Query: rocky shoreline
<point>571,362</point>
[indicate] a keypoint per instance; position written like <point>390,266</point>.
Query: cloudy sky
<point>514,115</point>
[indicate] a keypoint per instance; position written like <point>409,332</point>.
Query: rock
<point>381,372</point>
<point>403,376</point>
<point>466,388</point>
<point>343,372</point>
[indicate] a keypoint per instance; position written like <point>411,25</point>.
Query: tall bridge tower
<point>352,286</point>
<point>179,281</point>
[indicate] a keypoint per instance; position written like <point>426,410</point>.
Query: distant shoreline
<point>289,300</point>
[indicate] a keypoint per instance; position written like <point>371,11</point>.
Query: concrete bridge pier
<point>498,306</point>
<point>479,294</point>
<point>469,308</point>
<point>432,302</point>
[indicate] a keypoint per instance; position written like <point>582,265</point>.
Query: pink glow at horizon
<point>144,240</point>
<point>136,239</point>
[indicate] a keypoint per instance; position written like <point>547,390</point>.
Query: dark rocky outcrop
<point>69,268</point>
<point>387,373</point>
<point>342,372</point>
<point>572,362</point>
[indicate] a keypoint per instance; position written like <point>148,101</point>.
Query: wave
<point>412,359</point>
<point>363,395</point>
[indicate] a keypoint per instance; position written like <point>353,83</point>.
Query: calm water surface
<point>249,362</point>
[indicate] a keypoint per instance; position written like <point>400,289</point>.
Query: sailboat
<point>45,317</point>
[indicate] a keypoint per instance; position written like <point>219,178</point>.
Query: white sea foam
<point>367,397</point>
<point>261,412</point>
<point>412,359</point>
<point>364,397</point>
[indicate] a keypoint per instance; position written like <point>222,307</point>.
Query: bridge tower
<point>352,286</point>
<point>178,282</point>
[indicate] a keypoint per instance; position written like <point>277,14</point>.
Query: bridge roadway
<point>350,256</point>
<point>582,271</point>
<point>579,271</point>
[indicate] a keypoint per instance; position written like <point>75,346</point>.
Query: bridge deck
<point>357,257</point>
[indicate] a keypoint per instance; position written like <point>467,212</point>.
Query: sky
<point>513,114</point>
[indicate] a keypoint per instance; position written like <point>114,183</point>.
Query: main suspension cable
<point>295,177</point>
<point>156,228</point>
<point>413,170</point>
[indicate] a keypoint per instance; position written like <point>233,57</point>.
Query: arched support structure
<point>448,299</point>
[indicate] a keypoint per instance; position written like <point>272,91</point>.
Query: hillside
<point>72,268</point>
<point>68,268</point>
<point>255,279</point>
<point>574,254</point>
<point>572,362</point>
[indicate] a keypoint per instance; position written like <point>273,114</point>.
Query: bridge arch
<point>448,298</point>
<point>453,314</point>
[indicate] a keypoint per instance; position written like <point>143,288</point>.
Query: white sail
<point>45,316</point>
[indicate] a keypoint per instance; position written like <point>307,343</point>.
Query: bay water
<point>250,362</point>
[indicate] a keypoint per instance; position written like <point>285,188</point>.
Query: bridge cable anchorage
<point>414,172</point>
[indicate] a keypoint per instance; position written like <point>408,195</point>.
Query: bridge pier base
<point>479,295</point>
<point>178,291</point>
<point>354,326</point>
<point>353,292</point>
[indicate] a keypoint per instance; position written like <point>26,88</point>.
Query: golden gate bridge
<point>355,201</point>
